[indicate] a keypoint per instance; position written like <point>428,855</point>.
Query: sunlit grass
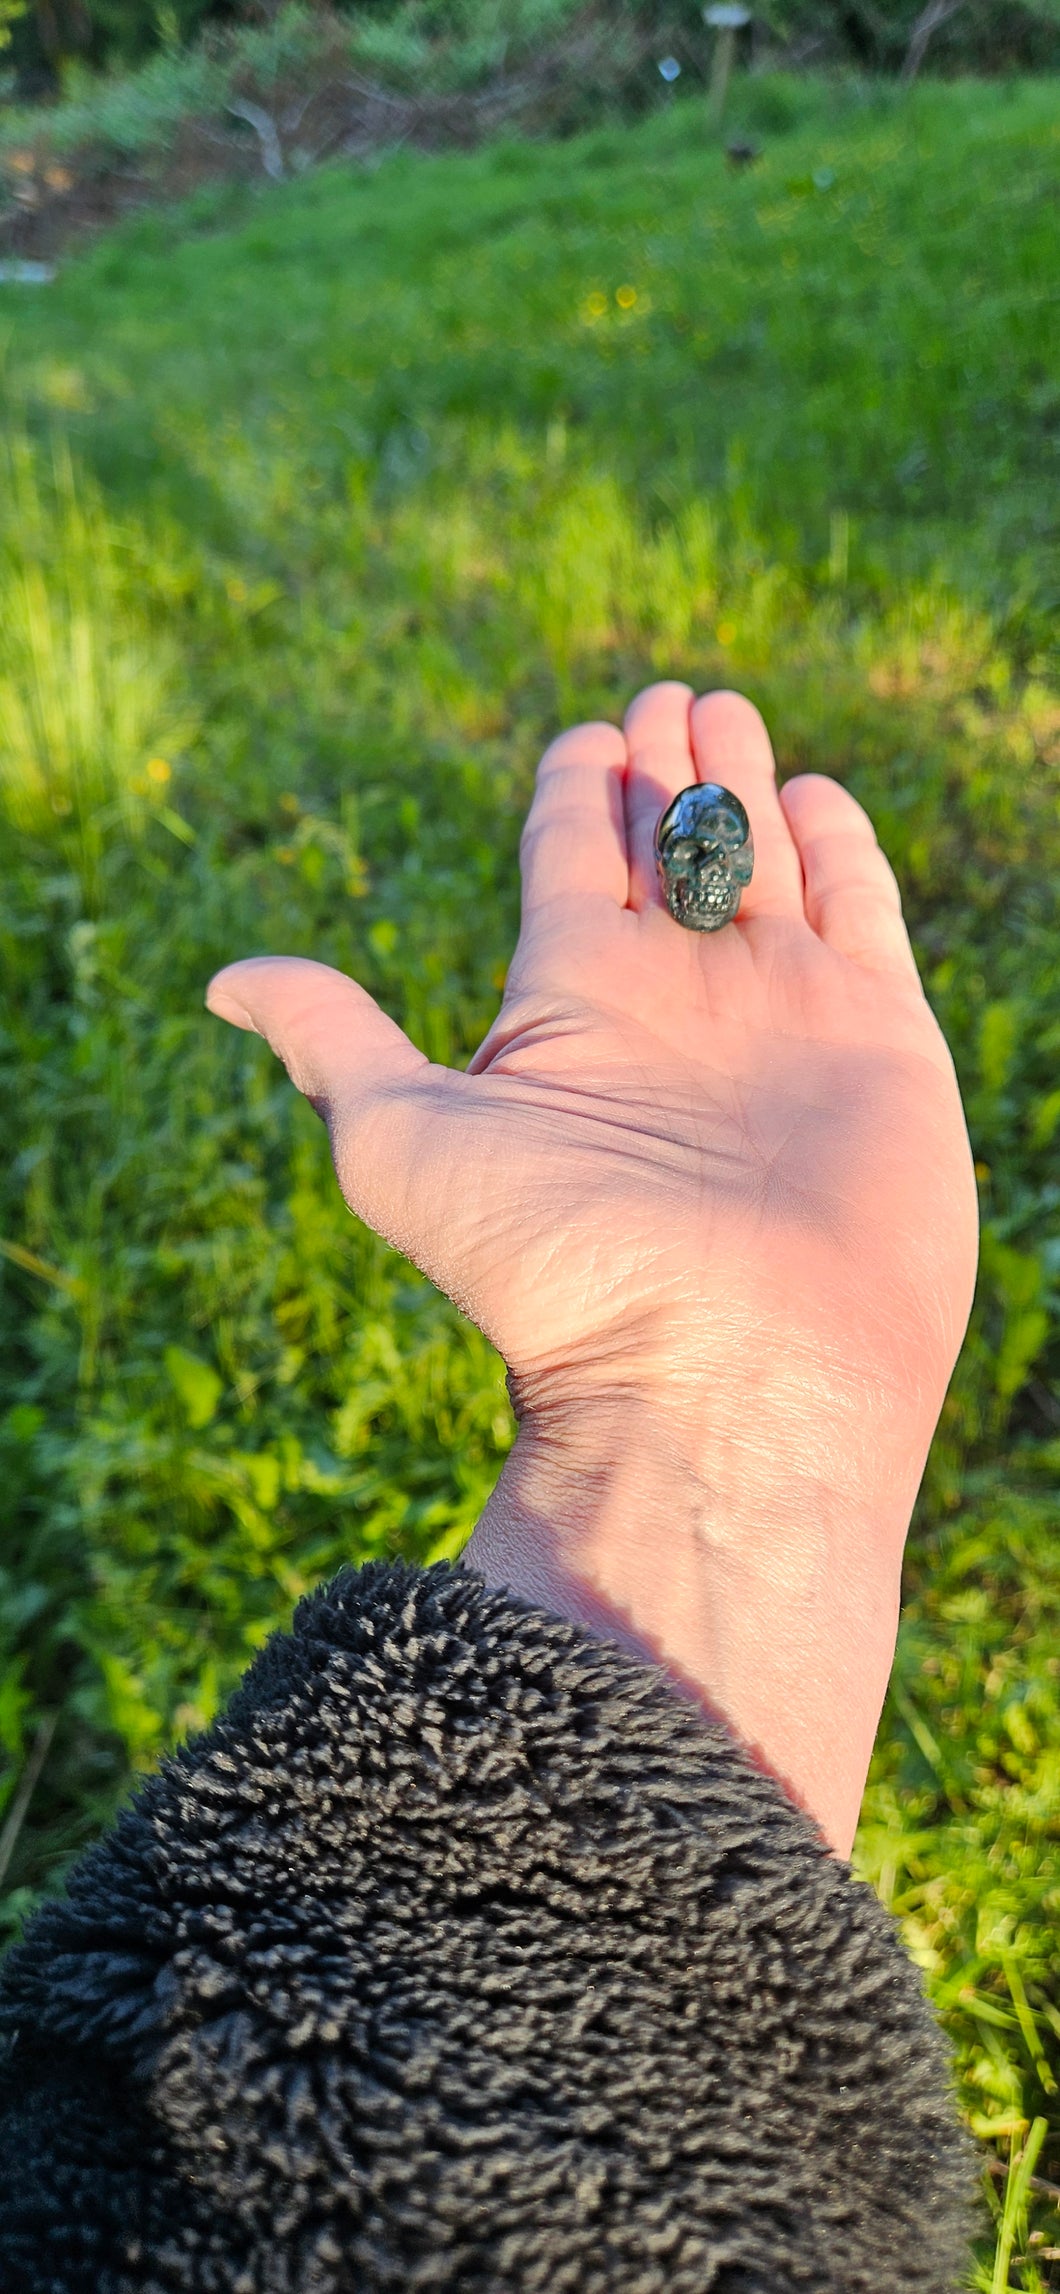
<point>85,694</point>
<point>337,518</point>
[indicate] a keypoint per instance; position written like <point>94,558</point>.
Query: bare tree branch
<point>936,13</point>
<point>264,127</point>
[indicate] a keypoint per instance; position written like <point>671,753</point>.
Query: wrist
<point>766,1585</point>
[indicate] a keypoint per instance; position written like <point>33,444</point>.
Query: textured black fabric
<point>459,1954</point>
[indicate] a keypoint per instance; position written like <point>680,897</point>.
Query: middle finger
<point>660,763</point>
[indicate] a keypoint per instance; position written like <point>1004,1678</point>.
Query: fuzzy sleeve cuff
<point>460,1955</point>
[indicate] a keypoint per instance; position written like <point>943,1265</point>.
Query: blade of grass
<point>30,1779</point>
<point>1027,2023</point>
<point>1013,2219</point>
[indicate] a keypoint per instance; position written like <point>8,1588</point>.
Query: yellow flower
<point>625,297</point>
<point>726,632</point>
<point>158,770</point>
<point>594,306</point>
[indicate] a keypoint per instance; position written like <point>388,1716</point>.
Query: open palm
<point>678,1161</point>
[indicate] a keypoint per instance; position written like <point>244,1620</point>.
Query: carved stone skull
<point>705,856</point>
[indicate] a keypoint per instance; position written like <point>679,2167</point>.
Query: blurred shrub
<point>406,35</point>
<point>51,33</point>
<point>977,35</point>
<point>10,11</point>
<point>129,113</point>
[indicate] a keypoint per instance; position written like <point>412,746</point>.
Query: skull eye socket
<point>703,851</point>
<point>684,852</point>
<point>725,824</point>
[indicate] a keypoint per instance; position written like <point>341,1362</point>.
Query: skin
<point>712,1199</point>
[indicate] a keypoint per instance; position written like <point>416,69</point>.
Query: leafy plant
<point>10,12</point>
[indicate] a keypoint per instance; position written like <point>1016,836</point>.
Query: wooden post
<point>726,21</point>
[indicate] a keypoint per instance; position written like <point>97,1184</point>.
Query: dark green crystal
<point>705,856</point>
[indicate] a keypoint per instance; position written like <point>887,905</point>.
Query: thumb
<point>330,1034</point>
<point>347,1057</point>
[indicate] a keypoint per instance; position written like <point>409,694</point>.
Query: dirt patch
<point>326,111</point>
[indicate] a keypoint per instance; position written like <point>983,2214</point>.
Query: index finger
<point>573,847</point>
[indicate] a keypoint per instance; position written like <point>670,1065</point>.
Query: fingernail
<point>224,1007</point>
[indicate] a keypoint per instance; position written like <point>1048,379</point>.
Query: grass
<point>323,509</point>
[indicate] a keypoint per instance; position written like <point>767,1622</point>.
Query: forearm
<point>768,1593</point>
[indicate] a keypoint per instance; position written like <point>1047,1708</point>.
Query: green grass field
<point>321,509</point>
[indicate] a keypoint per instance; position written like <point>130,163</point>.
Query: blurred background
<point>462,42</point>
<point>380,390</point>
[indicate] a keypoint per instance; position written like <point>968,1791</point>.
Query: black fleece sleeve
<point>460,1954</point>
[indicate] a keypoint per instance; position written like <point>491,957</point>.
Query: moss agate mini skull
<point>705,855</point>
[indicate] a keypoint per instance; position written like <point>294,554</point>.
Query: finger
<point>851,894</point>
<point>660,763</point>
<point>356,1066</point>
<point>393,1118</point>
<point>330,1034</point>
<point>573,847</point>
<point>731,745</point>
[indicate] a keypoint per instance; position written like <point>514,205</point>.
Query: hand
<point>711,1197</point>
